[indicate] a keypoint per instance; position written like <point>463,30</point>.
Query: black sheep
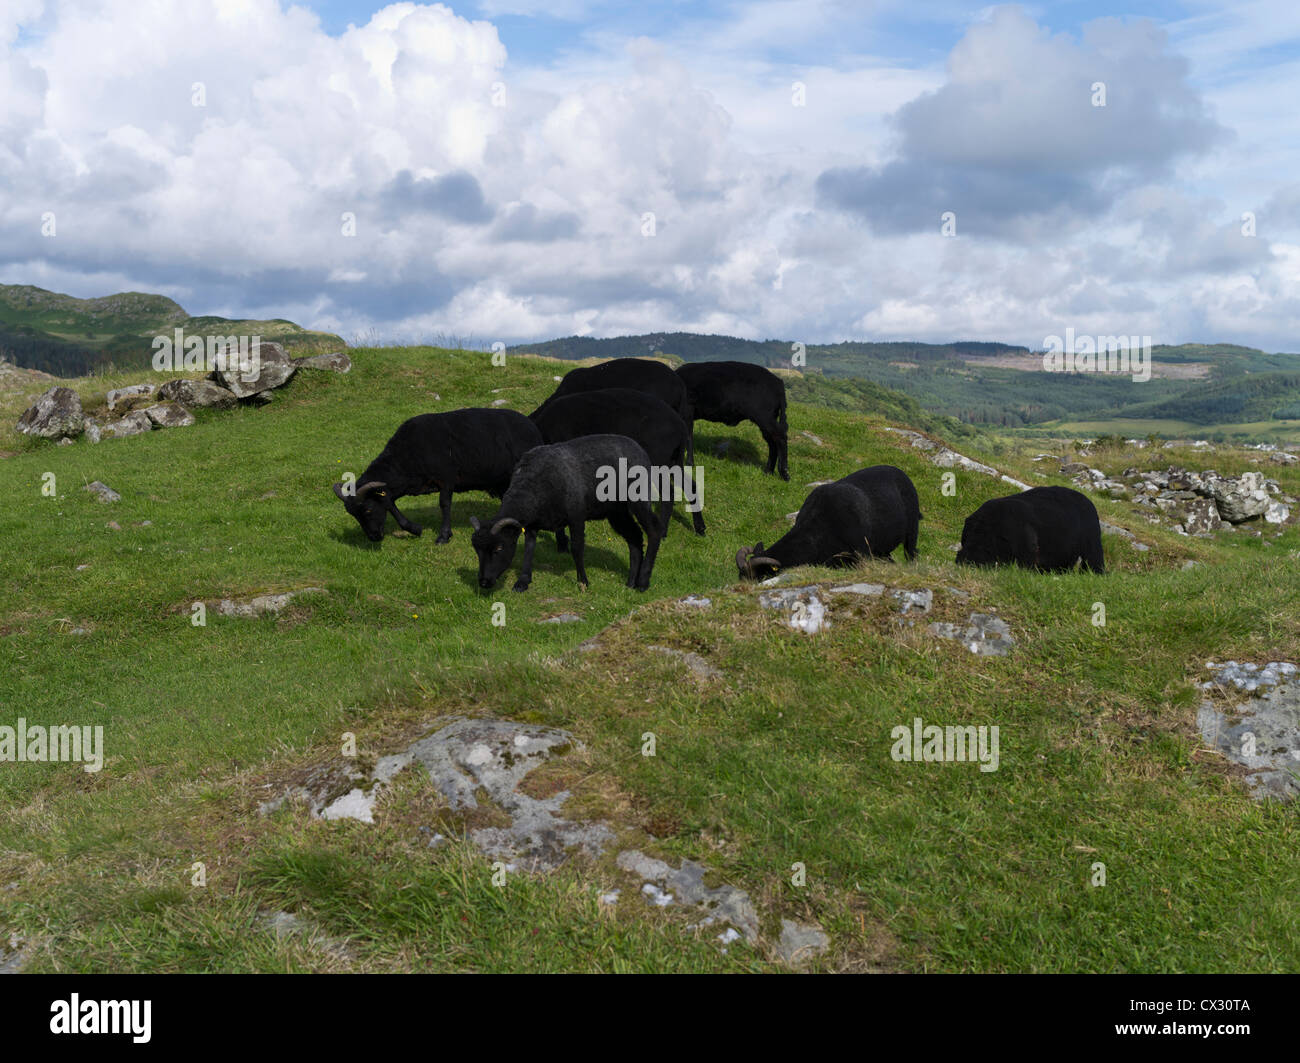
<point>621,411</point>
<point>568,484</point>
<point>731,392</point>
<point>1049,529</point>
<point>639,374</point>
<point>462,450</point>
<point>867,514</point>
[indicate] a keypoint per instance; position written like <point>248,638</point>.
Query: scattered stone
<point>985,635</point>
<point>1201,517</point>
<point>814,439</point>
<point>913,600</point>
<point>124,396</point>
<point>337,362</point>
<point>1262,735</point>
<point>724,904</point>
<point>1249,677</point>
<point>800,943</point>
<point>196,394</point>
<point>697,664</point>
<point>803,607</point>
<point>263,604</point>
<point>56,414</point>
<point>169,415</point>
<point>113,525</point>
<point>562,618</point>
<point>1276,513</point>
<point>103,492</point>
<point>133,424</point>
<point>607,899</point>
<point>695,603</point>
<point>64,442</point>
<point>866,590</point>
<point>270,369</point>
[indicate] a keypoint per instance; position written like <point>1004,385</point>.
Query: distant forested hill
<point>1002,384</point>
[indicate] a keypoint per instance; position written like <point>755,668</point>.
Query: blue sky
<point>499,161</point>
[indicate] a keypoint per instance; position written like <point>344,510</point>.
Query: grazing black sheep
<point>621,411</point>
<point>1049,529</point>
<point>462,450</point>
<point>639,374</point>
<point>731,392</point>
<point>568,484</point>
<point>867,514</point>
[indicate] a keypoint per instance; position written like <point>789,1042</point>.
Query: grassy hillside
<point>980,383</point>
<point>67,336</point>
<point>783,760</point>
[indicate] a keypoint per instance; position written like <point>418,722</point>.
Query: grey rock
<point>133,424</point>
<point>913,601</point>
<point>1276,513</point>
<point>696,603</point>
<point>1262,735</point>
<point>169,415</point>
<point>812,438</point>
<point>803,607</point>
<point>56,414</point>
<point>103,492</point>
<point>197,394</point>
<point>1201,516</point>
<point>724,904</point>
<point>269,368</point>
<point>985,635</point>
<point>1240,499</point>
<point>263,604</point>
<point>124,396</point>
<point>563,618</point>
<point>800,943</point>
<point>866,590</point>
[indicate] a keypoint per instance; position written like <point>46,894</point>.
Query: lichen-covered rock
<point>1201,516</point>
<point>56,414</point>
<point>169,415</point>
<point>124,396</point>
<point>1240,499</point>
<point>195,394</point>
<point>133,424</point>
<point>268,367</point>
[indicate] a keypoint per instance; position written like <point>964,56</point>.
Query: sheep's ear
<point>473,523</point>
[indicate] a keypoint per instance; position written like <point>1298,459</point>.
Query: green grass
<point>785,761</point>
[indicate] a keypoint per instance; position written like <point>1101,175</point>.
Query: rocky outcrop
<point>121,398</point>
<point>945,458</point>
<point>133,424</point>
<point>1198,503</point>
<point>56,414</point>
<point>1261,734</point>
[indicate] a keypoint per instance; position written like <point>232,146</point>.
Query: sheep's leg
<point>909,541</point>
<point>444,503</point>
<point>526,568</point>
<point>642,515</point>
<point>578,531</point>
<point>624,525</point>
<point>697,517</point>
<point>402,521</point>
<point>561,541</point>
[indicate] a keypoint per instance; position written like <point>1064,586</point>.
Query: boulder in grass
<point>133,424</point>
<point>125,396</point>
<point>169,415</point>
<point>267,367</point>
<point>56,414</point>
<point>195,394</point>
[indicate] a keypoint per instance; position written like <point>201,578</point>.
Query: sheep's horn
<point>374,485</point>
<point>765,561</point>
<point>338,490</point>
<point>742,559</point>
<point>505,522</point>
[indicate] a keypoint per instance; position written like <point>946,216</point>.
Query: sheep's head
<point>753,564</point>
<point>369,504</point>
<point>495,547</point>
